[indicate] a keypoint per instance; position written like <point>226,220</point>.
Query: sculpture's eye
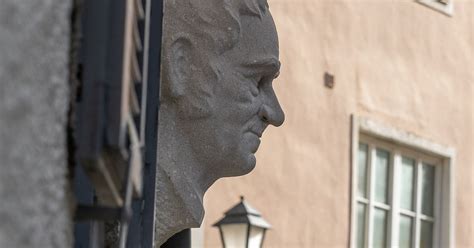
<point>276,74</point>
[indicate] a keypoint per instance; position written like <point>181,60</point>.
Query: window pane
<point>255,237</point>
<point>381,176</point>
<point>407,176</point>
<point>428,181</point>
<point>361,212</point>
<point>362,170</point>
<point>233,233</point>
<point>426,234</point>
<point>379,239</point>
<point>406,228</point>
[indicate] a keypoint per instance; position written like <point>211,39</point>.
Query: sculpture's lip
<point>259,134</point>
<point>255,148</point>
<point>256,128</point>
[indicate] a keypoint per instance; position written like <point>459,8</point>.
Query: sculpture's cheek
<point>245,98</point>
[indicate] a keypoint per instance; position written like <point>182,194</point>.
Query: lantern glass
<point>234,235</point>
<point>255,237</point>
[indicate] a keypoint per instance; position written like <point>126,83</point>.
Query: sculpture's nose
<point>271,111</point>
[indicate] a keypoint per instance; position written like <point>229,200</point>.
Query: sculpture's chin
<point>250,165</point>
<point>245,167</point>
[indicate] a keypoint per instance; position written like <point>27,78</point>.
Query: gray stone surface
<point>219,60</point>
<point>34,40</point>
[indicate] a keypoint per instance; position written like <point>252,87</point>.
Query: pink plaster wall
<point>394,61</point>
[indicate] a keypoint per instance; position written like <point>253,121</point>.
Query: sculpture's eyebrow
<point>266,66</point>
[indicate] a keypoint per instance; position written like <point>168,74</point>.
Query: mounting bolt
<point>329,80</point>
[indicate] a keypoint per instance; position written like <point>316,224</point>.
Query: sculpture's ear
<point>181,64</point>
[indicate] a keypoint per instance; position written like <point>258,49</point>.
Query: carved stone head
<point>219,60</point>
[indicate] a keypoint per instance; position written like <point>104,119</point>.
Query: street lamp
<point>242,227</point>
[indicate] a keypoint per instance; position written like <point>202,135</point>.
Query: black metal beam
<point>151,130</point>
<point>86,213</point>
<point>84,193</point>
<point>179,240</point>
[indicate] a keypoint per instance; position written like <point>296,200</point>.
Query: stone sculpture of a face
<point>219,61</point>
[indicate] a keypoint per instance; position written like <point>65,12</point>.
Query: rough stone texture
<point>397,62</point>
<point>219,61</point>
<point>34,40</point>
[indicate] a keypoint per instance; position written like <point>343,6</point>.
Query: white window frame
<point>399,142</point>
<point>197,237</point>
<point>446,8</point>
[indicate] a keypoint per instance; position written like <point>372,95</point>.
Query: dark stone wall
<point>34,93</point>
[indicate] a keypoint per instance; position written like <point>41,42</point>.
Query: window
<point>401,190</point>
<point>113,120</point>
<point>443,6</point>
<point>112,93</point>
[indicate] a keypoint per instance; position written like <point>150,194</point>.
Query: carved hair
<point>209,28</point>
<point>216,22</point>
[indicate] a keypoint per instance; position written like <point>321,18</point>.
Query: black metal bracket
<point>88,213</point>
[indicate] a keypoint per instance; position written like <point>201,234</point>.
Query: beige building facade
<point>403,79</point>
